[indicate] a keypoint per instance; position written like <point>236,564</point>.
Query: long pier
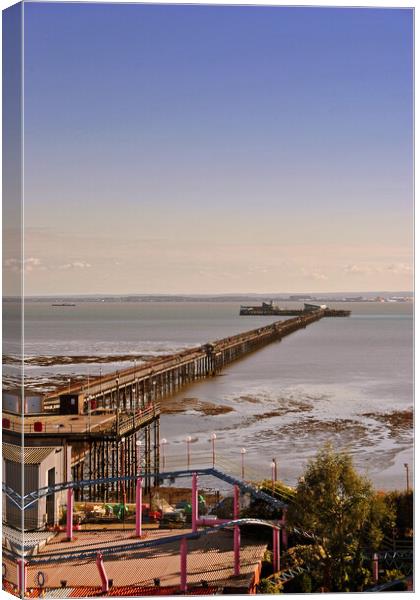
<point>135,387</point>
<point>111,424</point>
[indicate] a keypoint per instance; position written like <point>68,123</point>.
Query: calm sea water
<point>338,380</point>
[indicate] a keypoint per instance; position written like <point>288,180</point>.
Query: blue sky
<point>217,149</point>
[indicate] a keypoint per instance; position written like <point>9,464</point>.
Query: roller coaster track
<point>24,502</point>
<point>130,550</point>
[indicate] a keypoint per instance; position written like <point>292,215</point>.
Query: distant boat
<point>63,304</point>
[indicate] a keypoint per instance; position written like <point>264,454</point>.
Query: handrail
<point>138,417</point>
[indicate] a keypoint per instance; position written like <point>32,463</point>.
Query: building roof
<point>31,455</point>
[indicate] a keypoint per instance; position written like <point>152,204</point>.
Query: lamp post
<point>273,474</point>
<point>275,469</point>
<point>69,381</point>
<point>188,440</point>
<point>243,452</point>
<point>163,443</point>
<point>407,478</point>
<point>213,438</point>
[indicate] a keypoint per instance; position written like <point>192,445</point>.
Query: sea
<point>344,381</point>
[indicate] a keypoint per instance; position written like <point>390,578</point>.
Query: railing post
<point>375,568</point>
<point>183,550</point>
<point>194,502</point>
<point>22,569</point>
<point>236,550</point>
<point>139,494</point>
<point>69,515</point>
<point>102,572</point>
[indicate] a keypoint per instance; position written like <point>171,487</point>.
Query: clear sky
<point>194,149</point>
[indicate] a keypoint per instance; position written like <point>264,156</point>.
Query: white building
<point>43,466</point>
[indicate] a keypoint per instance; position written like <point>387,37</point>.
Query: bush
<point>269,586</point>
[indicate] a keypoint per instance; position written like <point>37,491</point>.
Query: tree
<point>340,508</point>
<point>402,503</point>
<point>269,586</point>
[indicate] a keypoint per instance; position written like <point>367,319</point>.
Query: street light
<point>408,481</point>
<point>163,443</point>
<point>188,440</point>
<point>213,438</point>
<point>273,474</point>
<point>243,452</point>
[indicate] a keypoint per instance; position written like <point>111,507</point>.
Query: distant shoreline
<point>398,296</point>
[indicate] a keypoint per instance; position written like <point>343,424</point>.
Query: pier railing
<point>98,424</point>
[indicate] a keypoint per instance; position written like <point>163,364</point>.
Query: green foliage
<point>309,557</point>
<point>381,520</point>
<point>269,586</point>
<point>340,507</point>
<point>305,583</point>
<point>402,504</point>
<point>301,584</point>
<point>279,490</point>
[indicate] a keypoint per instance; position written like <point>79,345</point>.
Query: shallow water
<point>330,381</point>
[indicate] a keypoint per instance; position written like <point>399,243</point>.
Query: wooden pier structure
<point>268,309</point>
<point>112,423</point>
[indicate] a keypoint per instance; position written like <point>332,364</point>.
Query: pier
<point>133,389</point>
<point>109,427</point>
<point>267,309</point>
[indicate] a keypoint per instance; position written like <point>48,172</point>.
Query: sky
<point>205,149</point>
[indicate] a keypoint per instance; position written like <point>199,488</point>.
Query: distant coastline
<point>375,296</point>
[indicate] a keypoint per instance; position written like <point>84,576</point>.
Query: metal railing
<point>84,423</point>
